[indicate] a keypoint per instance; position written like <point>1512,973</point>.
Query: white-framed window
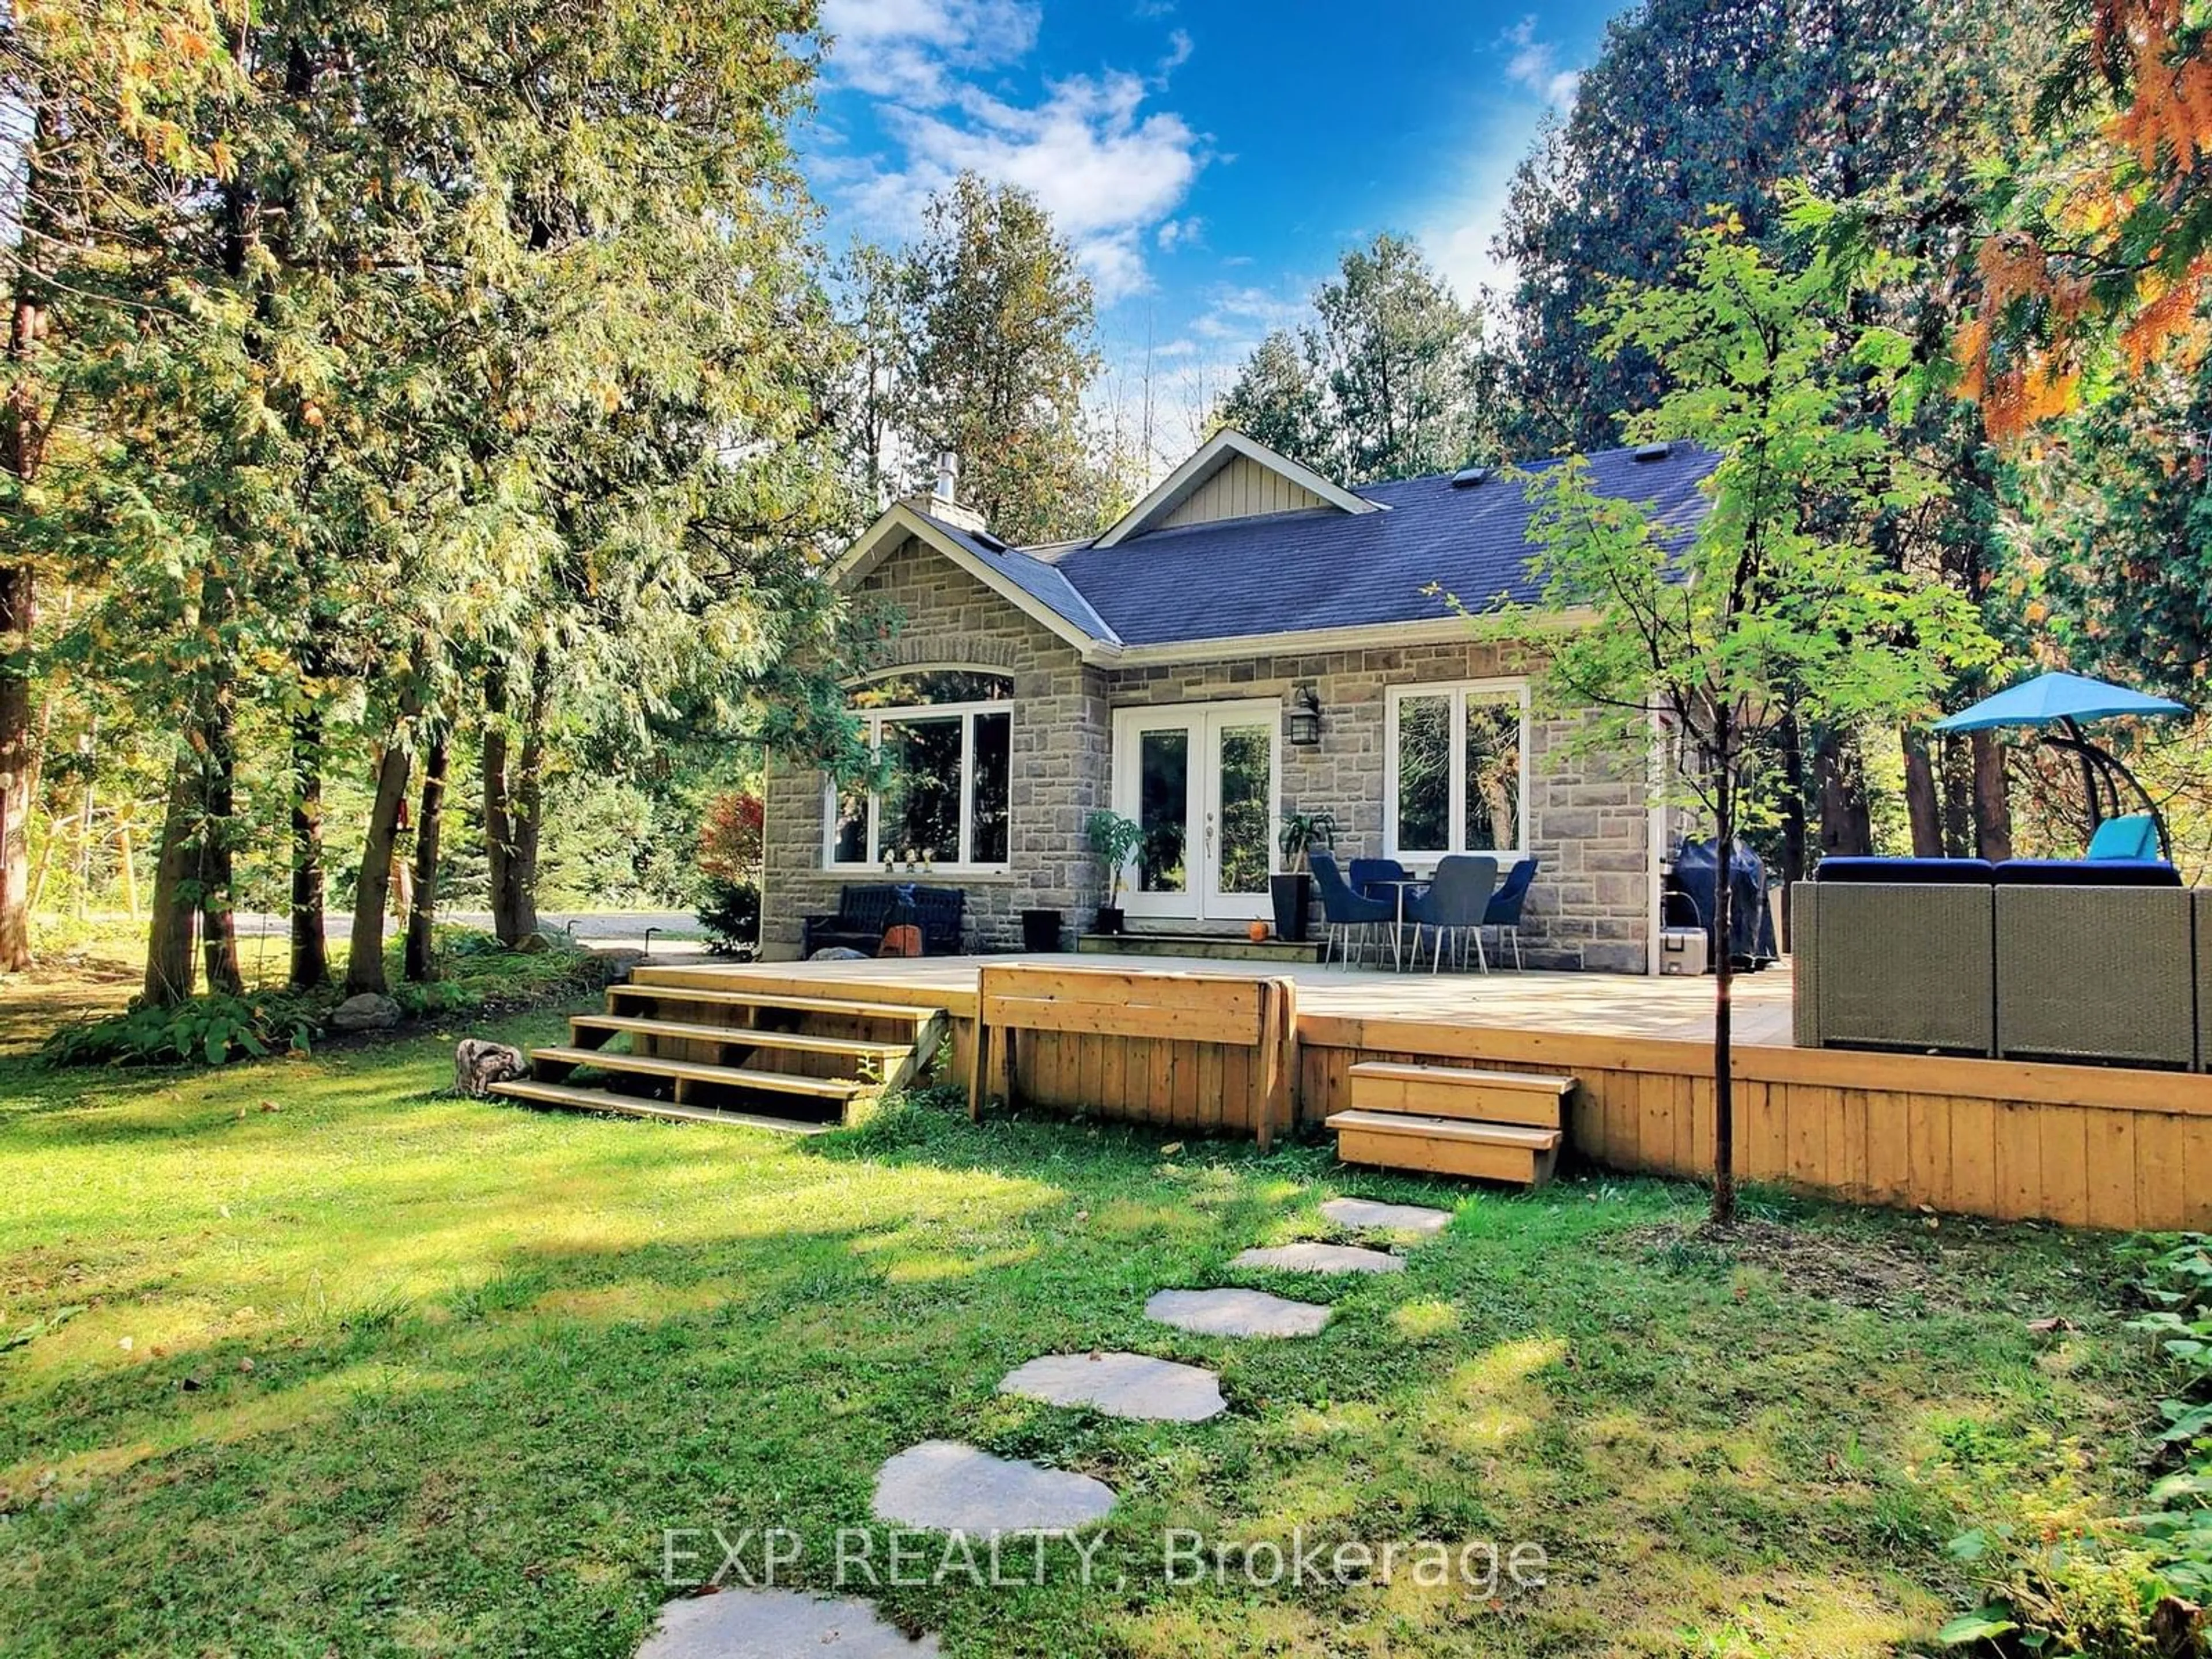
<point>1455,769</point>
<point>944,741</point>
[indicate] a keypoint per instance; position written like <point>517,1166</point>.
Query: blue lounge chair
<point>1342,909</point>
<point>1457,903</point>
<point>1507,903</point>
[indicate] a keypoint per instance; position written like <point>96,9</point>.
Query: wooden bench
<point>1207,1052</point>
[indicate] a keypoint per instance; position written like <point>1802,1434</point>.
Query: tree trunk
<point>1992,801</point>
<point>514,799</point>
<point>365,956</point>
<point>169,965</point>
<point>218,926</point>
<point>1920,806</point>
<point>1956,778</point>
<point>1723,989</point>
<point>1846,822</point>
<point>310,955</point>
<point>422,963</point>
<point>22,444</point>
<point>18,769</point>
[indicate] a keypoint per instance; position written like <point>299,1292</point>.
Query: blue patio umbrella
<point>2057,697</point>
<point>2066,700</point>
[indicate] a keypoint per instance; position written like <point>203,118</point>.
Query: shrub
<point>210,1030</point>
<point>2131,1589</point>
<point>730,911</point>
<point>730,836</point>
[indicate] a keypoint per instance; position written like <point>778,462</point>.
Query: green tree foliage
<point>454,377</point>
<point>999,360</point>
<point>1392,379</point>
<point>1692,106</point>
<point>1780,601</point>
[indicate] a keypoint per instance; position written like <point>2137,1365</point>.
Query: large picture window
<point>944,740</point>
<point>1458,769</point>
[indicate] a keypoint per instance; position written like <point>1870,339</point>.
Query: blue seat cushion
<point>2082,872</point>
<point>1925,872</point>
<point>2134,837</point>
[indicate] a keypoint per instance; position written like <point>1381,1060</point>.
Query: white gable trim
<point>900,521</point>
<point>1211,456</point>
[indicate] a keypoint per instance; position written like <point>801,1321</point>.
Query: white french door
<point>1202,780</point>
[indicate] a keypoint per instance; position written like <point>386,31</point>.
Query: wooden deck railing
<point>1209,1053</point>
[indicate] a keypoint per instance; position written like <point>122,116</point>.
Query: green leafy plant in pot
<point>1115,840</point>
<point>1292,889</point>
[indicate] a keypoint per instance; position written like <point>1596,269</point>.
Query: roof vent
<point>1652,452</point>
<point>1467,476</point>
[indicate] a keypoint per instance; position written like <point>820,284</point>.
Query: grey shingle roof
<point>1299,571</point>
<point>1329,569</point>
<point>1043,582</point>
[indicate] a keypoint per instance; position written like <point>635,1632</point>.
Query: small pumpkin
<point>1259,931</point>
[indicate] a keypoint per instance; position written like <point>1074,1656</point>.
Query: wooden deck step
<point>837,1006</point>
<point>1456,1091</point>
<point>603,1100</point>
<point>688,1070</point>
<point>792,1041</point>
<point>1441,1145</point>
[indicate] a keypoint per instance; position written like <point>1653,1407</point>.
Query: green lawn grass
<point>308,1358</point>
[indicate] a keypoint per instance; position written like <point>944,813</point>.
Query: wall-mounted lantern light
<point>1305,717</point>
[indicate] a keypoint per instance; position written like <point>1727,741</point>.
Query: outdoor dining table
<point>1398,933</point>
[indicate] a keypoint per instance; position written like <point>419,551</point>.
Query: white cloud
<point>1534,65</point>
<point>1180,233</point>
<point>1110,172</point>
<point>910,49</point>
<point>1459,227</point>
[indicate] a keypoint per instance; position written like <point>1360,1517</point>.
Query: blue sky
<point>1209,159</point>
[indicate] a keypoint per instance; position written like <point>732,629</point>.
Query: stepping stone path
<point>1122,1385</point>
<point>1361,1213</point>
<point>774,1624</point>
<point>1236,1313</point>
<point>948,1486</point>
<point>1321,1258</point>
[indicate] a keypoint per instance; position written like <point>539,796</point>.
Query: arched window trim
<point>878,841</point>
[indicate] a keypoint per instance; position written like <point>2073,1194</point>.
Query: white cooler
<point>1682,950</point>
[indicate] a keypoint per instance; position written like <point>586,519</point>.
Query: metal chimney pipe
<point>948,474</point>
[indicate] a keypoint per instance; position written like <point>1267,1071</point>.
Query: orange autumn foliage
<point>2048,304</point>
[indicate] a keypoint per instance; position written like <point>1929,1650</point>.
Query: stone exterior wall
<point>1059,772</point>
<point>1590,905</point>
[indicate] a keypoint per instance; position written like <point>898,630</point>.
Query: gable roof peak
<point>1224,448</point>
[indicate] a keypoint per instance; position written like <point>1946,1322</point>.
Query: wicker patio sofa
<point>2108,963</point>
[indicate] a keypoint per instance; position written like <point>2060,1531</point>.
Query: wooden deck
<point>1678,1010</point>
<point>2092,1145</point>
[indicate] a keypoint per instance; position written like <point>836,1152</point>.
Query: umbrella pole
<point>2080,745</point>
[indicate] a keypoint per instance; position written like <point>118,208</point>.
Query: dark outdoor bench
<point>865,912</point>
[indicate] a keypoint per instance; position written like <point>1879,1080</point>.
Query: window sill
<point>859,874</point>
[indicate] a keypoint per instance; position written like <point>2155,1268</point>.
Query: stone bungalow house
<point>1250,639</point>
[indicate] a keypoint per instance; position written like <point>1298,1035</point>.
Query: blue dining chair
<point>1506,905</point>
<point>1341,909</point>
<point>1364,871</point>
<point>1456,903</point>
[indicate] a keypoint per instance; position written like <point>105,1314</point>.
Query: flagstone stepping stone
<point>1120,1385</point>
<point>948,1486</point>
<point>776,1624</point>
<point>1357,1213</point>
<point>1236,1313</point>
<point>1310,1258</point>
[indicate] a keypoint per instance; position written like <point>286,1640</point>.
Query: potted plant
<point>1115,840</point>
<point>1292,891</point>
